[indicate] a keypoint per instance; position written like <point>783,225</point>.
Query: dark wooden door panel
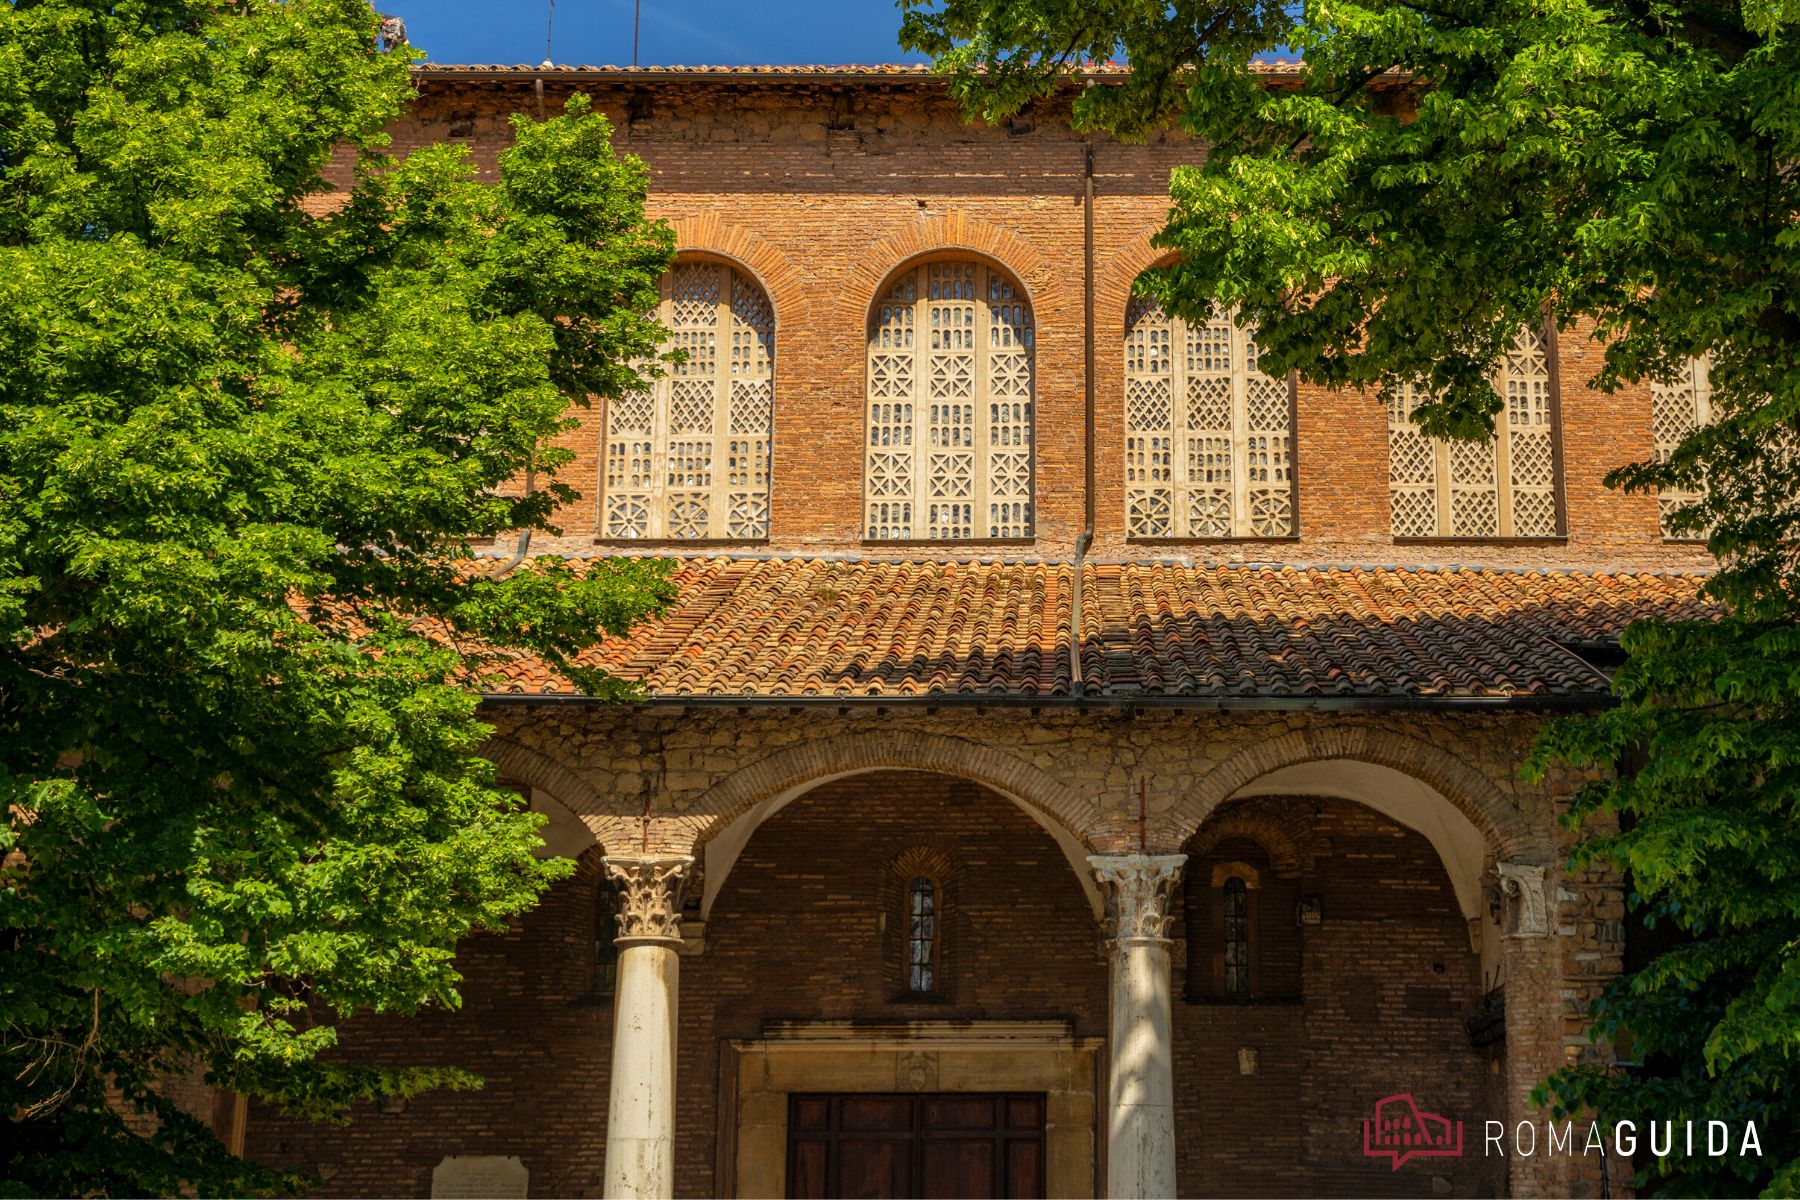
<point>873,1170</point>
<point>956,1167</point>
<point>926,1146</point>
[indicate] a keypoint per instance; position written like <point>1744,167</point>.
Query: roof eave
<point>1104,702</point>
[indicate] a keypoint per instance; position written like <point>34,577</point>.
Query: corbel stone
<point>1526,912</point>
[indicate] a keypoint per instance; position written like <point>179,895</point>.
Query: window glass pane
<point>1237,937</point>
<point>921,940</point>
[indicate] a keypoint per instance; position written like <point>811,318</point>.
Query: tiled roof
<point>776,71</point>
<point>798,628</point>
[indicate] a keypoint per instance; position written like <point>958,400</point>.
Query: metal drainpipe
<point>1086,537</point>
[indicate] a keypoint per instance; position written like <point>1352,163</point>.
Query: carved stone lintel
<point>1525,912</point>
<point>649,897</point>
<point>1137,888</point>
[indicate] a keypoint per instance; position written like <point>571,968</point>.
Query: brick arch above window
<point>688,459</point>
<point>950,414</point>
<point>707,236</point>
<point>945,235</point>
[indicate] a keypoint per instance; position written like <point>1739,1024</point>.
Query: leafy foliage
<point>246,432</point>
<point>1437,174</point>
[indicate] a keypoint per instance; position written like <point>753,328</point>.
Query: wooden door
<point>972,1145</point>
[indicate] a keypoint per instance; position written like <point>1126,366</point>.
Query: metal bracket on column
<point>1522,896</point>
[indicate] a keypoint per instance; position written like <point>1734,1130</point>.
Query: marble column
<point>1140,1091</point>
<point>640,1115</point>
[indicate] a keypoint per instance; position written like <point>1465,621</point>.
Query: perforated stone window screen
<point>1208,436</point>
<point>1677,408</point>
<point>690,457</point>
<point>1506,487</point>
<point>950,407</point>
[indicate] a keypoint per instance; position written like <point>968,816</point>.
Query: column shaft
<point>1140,1092</point>
<point>640,1126</point>
<point>640,1115</point>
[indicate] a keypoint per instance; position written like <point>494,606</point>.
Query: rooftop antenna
<point>549,29</point>
<point>637,9</point>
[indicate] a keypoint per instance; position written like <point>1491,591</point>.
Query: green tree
<point>1438,174</point>
<point>246,431</point>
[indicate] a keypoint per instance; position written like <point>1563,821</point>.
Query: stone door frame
<point>757,1075</point>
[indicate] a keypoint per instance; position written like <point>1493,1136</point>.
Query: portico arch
<point>1495,815</point>
<point>736,807</point>
<point>1465,816</point>
<point>553,790</point>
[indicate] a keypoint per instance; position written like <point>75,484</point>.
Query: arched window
<point>1235,904</point>
<point>921,936</point>
<point>690,457</point>
<point>950,407</point>
<point>1677,408</point>
<point>1208,436</point>
<point>1504,487</point>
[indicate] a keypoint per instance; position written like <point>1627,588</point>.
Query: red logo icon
<point>1401,1131</point>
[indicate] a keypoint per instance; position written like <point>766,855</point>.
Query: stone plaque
<point>479,1177</point>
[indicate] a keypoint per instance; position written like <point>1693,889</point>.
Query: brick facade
<point>824,190</point>
<point>1385,821</point>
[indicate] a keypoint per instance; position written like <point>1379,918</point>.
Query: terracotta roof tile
<point>788,628</point>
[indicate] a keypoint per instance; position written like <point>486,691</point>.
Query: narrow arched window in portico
<point>921,936</point>
<point>1236,938</point>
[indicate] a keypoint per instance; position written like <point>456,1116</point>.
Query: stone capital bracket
<point>1526,913</point>
<point>1137,888</point>
<point>649,897</point>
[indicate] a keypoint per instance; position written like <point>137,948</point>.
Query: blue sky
<point>673,32</point>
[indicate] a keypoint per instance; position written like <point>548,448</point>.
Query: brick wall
<point>822,190</point>
<point>1386,978</point>
<point>527,1026</point>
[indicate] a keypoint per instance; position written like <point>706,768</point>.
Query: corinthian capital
<point>1137,888</point>
<point>649,896</point>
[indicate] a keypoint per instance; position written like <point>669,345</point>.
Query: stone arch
<point>723,819</point>
<point>556,791</point>
<point>1492,812</point>
<point>707,236</point>
<point>1112,286</point>
<point>944,234</point>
